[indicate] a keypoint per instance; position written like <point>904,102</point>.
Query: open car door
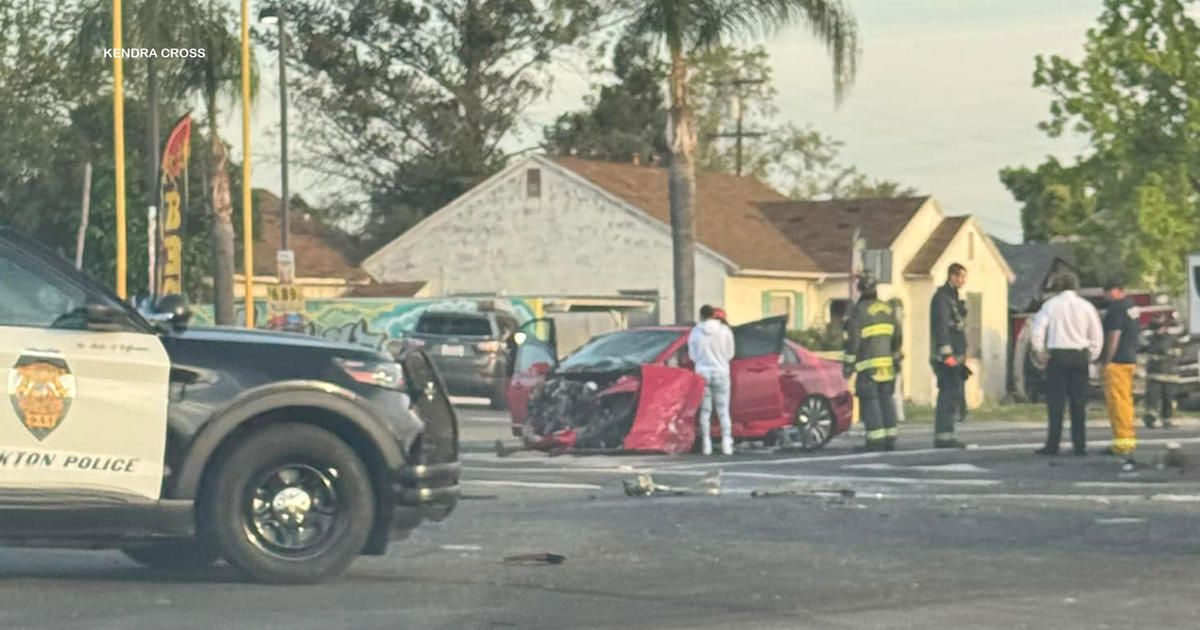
<point>757,394</point>
<point>534,352</point>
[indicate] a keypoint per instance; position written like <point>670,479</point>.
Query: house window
<point>533,183</point>
<point>787,303</point>
<point>879,263</point>
<point>838,309</point>
<point>971,246</point>
<point>975,325</point>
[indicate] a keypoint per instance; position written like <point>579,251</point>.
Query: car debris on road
<point>536,559</point>
<point>644,486</point>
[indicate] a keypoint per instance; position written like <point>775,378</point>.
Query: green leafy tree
<point>407,102</point>
<point>1132,196</point>
<point>57,88</point>
<point>1056,198</point>
<point>174,83</point>
<point>622,119</point>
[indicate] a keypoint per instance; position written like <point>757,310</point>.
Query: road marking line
<point>1176,498</point>
<point>461,548</point>
<point>963,468</point>
<point>470,401</point>
<point>868,480</point>
<point>532,484</point>
<point>559,471</point>
<point>1148,485</point>
<point>1077,498</point>
<point>482,419</point>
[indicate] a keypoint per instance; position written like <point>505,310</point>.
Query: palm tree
<point>686,26</point>
<point>192,24</point>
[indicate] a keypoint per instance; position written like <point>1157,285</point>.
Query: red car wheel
<point>814,418</point>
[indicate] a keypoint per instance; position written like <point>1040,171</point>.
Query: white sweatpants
<point>716,392</point>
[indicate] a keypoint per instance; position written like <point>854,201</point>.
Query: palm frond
<point>831,22</point>
<point>697,24</point>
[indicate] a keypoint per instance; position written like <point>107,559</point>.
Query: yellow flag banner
<point>174,189</point>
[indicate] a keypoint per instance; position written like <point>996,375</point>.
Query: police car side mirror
<point>172,310</point>
<point>105,317</point>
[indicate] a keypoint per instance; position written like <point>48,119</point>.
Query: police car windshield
<point>41,288</point>
<point>620,350</point>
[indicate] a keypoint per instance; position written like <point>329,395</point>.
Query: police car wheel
<point>290,504</point>
<point>183,555</point>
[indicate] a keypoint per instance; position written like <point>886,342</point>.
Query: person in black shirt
<point>1121,338</point>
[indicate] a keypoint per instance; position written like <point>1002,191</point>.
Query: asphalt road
<point>993,537</point>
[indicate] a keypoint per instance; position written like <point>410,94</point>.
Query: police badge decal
<point>41,388</point>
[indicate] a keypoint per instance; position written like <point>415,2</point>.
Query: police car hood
<point>243,336</point>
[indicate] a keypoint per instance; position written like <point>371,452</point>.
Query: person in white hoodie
<point>710,345</point>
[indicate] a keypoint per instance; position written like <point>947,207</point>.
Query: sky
<point>942,102</point>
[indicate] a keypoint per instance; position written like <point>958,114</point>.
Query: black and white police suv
<point>285,455</point>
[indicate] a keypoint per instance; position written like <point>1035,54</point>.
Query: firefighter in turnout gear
<point>948,336</point>
<point>873,351</point>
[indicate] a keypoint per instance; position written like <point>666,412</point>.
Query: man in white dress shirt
<point>1067,338</point>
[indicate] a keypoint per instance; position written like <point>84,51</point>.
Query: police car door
<point>84,384</point>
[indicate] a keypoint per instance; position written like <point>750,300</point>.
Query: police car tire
<point>183,555</point>
<point>269,448</point>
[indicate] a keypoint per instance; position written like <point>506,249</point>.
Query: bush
<point>820,339</point>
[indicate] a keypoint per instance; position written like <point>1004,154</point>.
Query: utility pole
<point>740,133</point>
<point>247,197</point>
<point>276,16</point>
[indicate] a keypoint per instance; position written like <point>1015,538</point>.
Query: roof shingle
<point>1032,264</point>
<point>824,229</point>
<point>728,219</point>
<point>937,243</point>
<point>321,251</point>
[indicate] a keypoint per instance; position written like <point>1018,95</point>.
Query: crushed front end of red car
<point>649,410</point>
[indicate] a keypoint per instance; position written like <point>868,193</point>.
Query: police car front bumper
<point>431,489</point>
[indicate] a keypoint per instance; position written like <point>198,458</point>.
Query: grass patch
<point>1011,412</point>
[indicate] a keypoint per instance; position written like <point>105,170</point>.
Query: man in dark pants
<point>873,339</point>
<point>1067,337</point>
<point>948,335</point>
<point>1163,366</point>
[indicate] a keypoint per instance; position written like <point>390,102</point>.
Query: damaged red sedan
<point>635,391</point>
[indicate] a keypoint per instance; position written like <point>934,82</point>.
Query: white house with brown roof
<point>569,226</point>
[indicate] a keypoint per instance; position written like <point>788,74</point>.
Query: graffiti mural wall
<point>364,321</point>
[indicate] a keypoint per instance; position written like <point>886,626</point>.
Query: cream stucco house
<point>910,245</point>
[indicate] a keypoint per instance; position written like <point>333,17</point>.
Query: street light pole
<point>283,128</point>
<point>277,15</point>
<point>247,197</point>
